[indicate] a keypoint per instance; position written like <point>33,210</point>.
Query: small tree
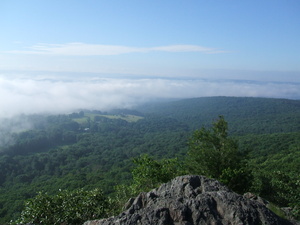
<point>212,153</point>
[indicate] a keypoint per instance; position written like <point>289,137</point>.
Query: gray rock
<point>190,200</point>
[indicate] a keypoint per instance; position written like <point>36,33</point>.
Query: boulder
<point>191,200</point>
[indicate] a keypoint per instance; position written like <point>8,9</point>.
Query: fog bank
<point>27,95</point>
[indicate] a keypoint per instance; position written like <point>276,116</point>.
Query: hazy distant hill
<point>244,114</point>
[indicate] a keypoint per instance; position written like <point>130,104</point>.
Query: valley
<point>93,149</point>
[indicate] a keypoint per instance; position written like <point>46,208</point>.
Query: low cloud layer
<point>51,95</point>
<point>83,49</point>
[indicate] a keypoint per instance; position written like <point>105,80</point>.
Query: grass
<point>80,120</point>
<point>128,118</point>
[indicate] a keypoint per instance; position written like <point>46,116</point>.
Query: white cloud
<point>40,95</point>
<point>82,49</point>
<point>186,48</point>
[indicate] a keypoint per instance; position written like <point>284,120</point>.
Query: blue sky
<point>224,42</point>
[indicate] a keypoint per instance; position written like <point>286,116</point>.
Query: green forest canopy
<point>58,152</point>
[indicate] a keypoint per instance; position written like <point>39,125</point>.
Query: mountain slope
<point>245,115</point>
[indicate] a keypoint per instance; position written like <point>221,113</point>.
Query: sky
<point>61,55</point>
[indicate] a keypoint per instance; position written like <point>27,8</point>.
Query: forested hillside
<point>93,149</point>
<point>244,115</point>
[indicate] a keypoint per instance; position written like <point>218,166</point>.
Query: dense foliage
<point>99,157</point>
<point>95,150</point>
<point>67,207</point>
<point>147,174</point>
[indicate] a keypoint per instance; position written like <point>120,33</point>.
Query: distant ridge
<point>250,111</point>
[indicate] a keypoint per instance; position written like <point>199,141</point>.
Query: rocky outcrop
<point>188,200</point>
